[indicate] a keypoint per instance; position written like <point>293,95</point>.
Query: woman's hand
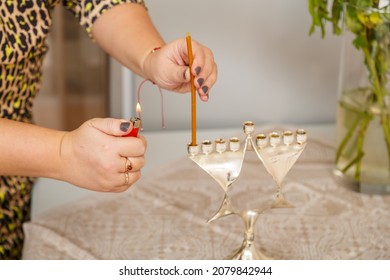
<point>94,155</point>
<point>168,68</point>
<point>127,33</point>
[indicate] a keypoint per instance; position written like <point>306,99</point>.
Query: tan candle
<point>193,91</point>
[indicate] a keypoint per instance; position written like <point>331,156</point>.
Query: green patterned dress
<point>24,26</point>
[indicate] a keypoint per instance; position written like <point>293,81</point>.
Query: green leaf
<point>360,42</point>
<point>337,8</point>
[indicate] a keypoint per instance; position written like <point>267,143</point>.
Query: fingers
<point>93,157</point>
<point>119,176</point>
<point>131,174</point>
<point>204,70</point>
<point>110,126</point>
<point>127,180</point>
<point>132,170</point>
<point>168,68</point>
<point>130,146</point>
<point>129,164</point>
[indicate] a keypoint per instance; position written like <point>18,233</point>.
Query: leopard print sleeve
<point>89,10</point>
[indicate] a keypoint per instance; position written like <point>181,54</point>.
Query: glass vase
<point>363,112</point>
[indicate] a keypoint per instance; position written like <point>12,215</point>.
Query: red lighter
<point>136,125</point>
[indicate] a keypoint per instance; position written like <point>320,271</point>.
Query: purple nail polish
<point>200,81</point>
<point>205,89</point>
<point>124,126</point>
<point>197,70</point>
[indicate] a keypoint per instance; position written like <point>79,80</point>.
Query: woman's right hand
<point>94,155</point>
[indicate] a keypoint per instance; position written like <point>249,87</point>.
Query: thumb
<point>111,126</point>
<point>182,74</point>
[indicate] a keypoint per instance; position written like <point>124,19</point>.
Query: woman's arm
<point>29,150</point>
<point>91,157</point>
<point>127,33</point>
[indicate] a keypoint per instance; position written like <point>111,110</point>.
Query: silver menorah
<point>223,161</point>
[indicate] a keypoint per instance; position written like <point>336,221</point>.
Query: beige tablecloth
<point>164,217</point>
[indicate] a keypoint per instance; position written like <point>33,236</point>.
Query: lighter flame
<point>138,110</point>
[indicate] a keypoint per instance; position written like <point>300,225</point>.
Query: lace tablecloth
<point>164,216</point>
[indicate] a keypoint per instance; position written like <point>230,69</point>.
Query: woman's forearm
<point>127,33</point>
<point>29,150</point>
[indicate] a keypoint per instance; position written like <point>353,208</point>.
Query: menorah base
<point>247,251</point>
<point>281,202</point>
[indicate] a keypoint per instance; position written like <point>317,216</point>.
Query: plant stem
<point>360,142</point>
<point>380,93</point>
<point>354,161</point>
<point>346,138</point>
<point>364,118</point>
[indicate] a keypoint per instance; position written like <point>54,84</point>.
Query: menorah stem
<point>249,142</point>
<point>249,217</point>
<point>280,201</point>
<point>248,250</point>
<point>279,195</point>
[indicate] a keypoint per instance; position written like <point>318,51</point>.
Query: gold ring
<point>128,165</point>
<point>126,178</point>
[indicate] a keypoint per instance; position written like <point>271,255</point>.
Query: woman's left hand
<point>168,68</point>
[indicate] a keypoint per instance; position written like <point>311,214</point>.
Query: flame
<point>138,110</point>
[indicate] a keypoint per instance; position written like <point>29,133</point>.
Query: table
<point>164,216</point>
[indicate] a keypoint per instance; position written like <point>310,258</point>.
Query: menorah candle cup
<point>248,127</point>
<point>234,144</point>
<point>220,145</point>
<point>207,147</point>
<point>274,139</point>
<point>288,137</point>
<point>261,140</point>
<point>301,136</point>
<point>192,150</point>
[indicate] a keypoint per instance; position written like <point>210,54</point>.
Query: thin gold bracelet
<point>155,49</point>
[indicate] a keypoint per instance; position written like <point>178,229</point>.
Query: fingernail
<point>184,74</point>
<point>205,89</point>
<point>200,81</point>
<point>204,97</point>
<point>197,70</point>
<point>125,126</point>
